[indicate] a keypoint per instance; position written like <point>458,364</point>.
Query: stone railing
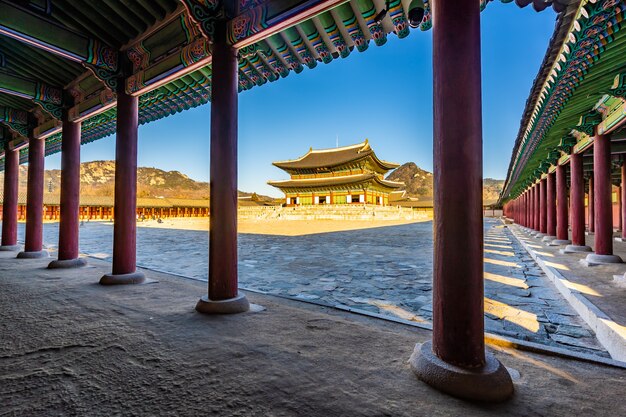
<point>334,212</point>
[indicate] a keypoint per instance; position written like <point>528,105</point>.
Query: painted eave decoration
<point>580,86</point>
<point>163,49</point>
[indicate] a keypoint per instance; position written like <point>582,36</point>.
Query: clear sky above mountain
<point>383,94</point>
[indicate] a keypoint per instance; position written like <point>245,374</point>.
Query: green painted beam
<point>49,98</point>
<point>14,119</point>
<point>597,64</point>
<point>35,30</point>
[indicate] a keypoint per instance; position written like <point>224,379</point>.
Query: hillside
<point>98,179</point>
<point>419,183</point>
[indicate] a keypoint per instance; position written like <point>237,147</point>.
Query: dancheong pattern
<point>593,30</point>
<point>334,33</point>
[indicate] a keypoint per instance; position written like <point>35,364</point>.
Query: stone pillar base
<point>67,263</point>
<point>238,304</point>
<point>10,248</point>
<point>548,238</point>
<point>575,249</point>
<point>123,279</point>
<point>596,259</point>
<point>33,254</point>
<point>539,235</point>
<point>617,239</point>
<point>492,383</point>
<point>560,242</point>
<point>620,280</point>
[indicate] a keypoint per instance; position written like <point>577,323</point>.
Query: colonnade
<point>568,209</point>
<point>455,361</point>
<point>222,295</point>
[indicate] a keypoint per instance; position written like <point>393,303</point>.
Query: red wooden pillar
<point>125,206</point>
<point>603,203</point>
<point>70,191</point>
<point>526,209</point>
<point>623,200</point>
<point>550,207</point>
<point>543,208</point>
<point>456,362</point>
<point>529,208</point>
<point>618,197</point>
<point>34,200</point>
<point>562,235</point>
<point>538,207</point>
<point>9,203</point>
<point>591,205</point>
<point>577,205</point>
<point>532,208</point>
<point>223,295</point>
<point>523,207</point>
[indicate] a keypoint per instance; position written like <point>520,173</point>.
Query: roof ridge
<point>341,148</point>
<point>311,150</point>
<point>323,178</point>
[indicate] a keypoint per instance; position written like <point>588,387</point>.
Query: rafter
<point>47,97</point>
<point>14,119</point>
<point>37,31</point>
<point>267,18</point>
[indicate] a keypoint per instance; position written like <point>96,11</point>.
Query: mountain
<point>491,190</point>
<point>97,178</point>
<point>419,183</point>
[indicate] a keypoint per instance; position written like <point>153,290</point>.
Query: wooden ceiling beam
<point>47,97</point>
<point>42,33</point>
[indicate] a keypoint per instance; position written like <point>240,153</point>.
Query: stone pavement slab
<point>72,347</point>
<point>591,290</point>
<point>383,270</point>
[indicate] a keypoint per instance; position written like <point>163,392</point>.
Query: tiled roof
<point>328,158</point>
<point>334,181</point>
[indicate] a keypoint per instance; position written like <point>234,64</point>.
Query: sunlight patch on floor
<point>514,315</point>
<point>557,266</point>
<point>497,239</point>
<point>514,282</point>
<point>540,364</point>
<point>580,288</point>
<point>491,245</point>
<point>617,328</point>
<point>534,246</point>
<point>546,254</point>
<point>397,311</point>
<point>501,263</point>
<point>500,252</point>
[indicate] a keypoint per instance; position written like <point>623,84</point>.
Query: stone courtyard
<point>383,271</point>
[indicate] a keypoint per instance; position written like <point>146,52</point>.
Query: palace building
<point>347,175</point>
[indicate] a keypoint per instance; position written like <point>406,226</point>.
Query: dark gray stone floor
<point>385,270</point>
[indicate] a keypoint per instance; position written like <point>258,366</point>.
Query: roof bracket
<point>588,122</point>
<point>205,13</point>
<point>108,77</point>
<point>619,86</point>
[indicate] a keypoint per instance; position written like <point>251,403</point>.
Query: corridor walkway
<point>73,347</point>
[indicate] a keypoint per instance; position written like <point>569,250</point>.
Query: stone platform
<point>592,291</point>
<point>72,347</point>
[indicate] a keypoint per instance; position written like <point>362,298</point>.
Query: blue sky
<point>383,94</point>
